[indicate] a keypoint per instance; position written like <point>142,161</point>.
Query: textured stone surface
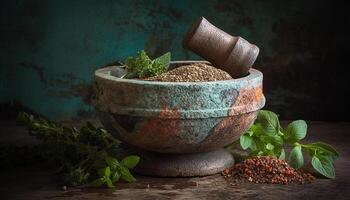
<point>36,182</point>
<point>184,165</point>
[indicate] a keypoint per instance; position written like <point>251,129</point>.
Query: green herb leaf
<point>253,146</point>
<point>245,141</point>
<point>112,162</point>
<point>142,66</point>
<point>82,154</point>
<point>164,60</point>
<point>269,122</point>
<point>115,176</point>
<point>126,175</point>
<point>274,139</point>
<point>325,148</point>
<point>282,155</point>
<point>296,131</point>
<point>323,165</point>
<point>270,146</point>
<point>109,183</point>
<point>107,171</point>
<point>296,158</point>
<point>98,182</point>
<point>130,161</point>
<point>261,153</point>
<point>256,130</point>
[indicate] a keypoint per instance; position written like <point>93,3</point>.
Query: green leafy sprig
<point>115,171</point>
<point>82,155</point>
<point>267,137</point>
<point>142,66</point>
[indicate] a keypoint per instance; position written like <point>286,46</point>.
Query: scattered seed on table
<point>267,169</point>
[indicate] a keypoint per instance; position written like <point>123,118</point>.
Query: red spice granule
<point>267,169</point>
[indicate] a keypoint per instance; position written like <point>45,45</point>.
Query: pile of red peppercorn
<point>267,169</point>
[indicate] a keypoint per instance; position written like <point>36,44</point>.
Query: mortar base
<point>183,165</point>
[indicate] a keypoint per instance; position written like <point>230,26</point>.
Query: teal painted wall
<point>50,49</point>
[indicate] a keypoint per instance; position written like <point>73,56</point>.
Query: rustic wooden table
<point>35,182</point>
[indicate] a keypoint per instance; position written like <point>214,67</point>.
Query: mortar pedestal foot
<point>184,165</point>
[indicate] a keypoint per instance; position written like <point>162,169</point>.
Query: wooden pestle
<point>234,55</point>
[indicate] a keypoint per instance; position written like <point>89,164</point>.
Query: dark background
<point>50,49</point>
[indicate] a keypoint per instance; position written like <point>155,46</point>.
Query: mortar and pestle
<point>179,129</point>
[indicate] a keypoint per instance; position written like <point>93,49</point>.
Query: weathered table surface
<point>35,182</point>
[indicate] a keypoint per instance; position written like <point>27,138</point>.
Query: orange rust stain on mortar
<point>167,112</point>
<point>167,125</point>
<point>247,99</point>
<point>229,130</point>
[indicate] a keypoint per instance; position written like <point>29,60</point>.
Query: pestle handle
<point>232,54</point>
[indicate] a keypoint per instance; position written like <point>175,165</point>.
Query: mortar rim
<point>104,74</point>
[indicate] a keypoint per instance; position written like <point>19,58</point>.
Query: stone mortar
<point>166,122</point>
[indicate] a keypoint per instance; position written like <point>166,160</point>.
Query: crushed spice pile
<point>197,72</point>
<point>267,169</point>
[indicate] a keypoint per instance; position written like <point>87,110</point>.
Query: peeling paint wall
<point>50,49</point>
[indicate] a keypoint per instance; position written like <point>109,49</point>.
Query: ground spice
<point>267,169</point>
<point>197,72</point>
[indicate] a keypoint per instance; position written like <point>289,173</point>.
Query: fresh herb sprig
<point>82,155</point>
<point>267,137</point>
<point>142,66</point>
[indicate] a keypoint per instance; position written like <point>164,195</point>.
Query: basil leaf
<point>130,161</point>
<point>323,165</point>
<point>245,141</point>
<point>269,122</point>
<point>253,146</point>
<point>296,131</point>
<point>256,129</point>
<point>278,140</point>
<point>126,175</point>
<point>296,159</point>
<point>270,146</point>
<point>109,183</point>
<point>107,172</point>
<point>282,155</point>
<point>325,148</point>
<point>259,144</point>
<point>274,139</point>
<point>164,60</point>
<point>115,176</point>
<point>112,162</point>
<point>250,132</point>
<point>260,153</point>
<point>98,182</point>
